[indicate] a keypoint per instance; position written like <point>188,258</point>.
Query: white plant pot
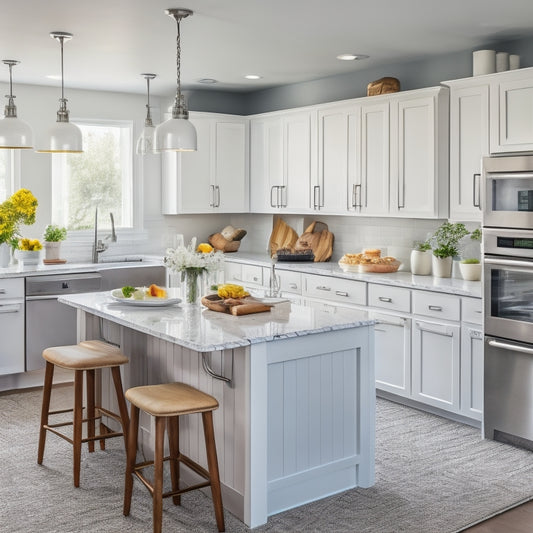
<point>5,255</point>
<point>52,249</point>
<point>421,262</point>
<point>442,266</point>
<point>470,271</point>
<point>28,257</point>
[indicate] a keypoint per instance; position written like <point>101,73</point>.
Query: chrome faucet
<point>100,246</point>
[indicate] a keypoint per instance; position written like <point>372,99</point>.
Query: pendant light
<point>177,133</point>
<point>145,143</point>
<point>14,132</point>
<point>62,137</point>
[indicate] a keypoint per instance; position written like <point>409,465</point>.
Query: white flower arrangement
<point>187,257</point>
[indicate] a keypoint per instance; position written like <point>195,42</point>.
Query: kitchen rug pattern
<point>432,476</point>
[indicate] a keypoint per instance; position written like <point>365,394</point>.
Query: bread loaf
<point>383,86</point>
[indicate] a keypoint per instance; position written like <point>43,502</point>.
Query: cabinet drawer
<point>252,274</point>
<point>290,281</point>
<point>11,288</point>
<point>387,297</point>
<point>472,310</point>
<point>232,272</point>
<point>436,305</point>
<point>336,289</point>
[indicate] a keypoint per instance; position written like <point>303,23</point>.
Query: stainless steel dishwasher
<point>49,323</point>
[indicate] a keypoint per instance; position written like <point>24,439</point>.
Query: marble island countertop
<point>202,330</point>
<point>456,286</point>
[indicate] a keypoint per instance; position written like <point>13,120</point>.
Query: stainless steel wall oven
<point>508,299</point>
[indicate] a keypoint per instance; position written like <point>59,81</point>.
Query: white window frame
<point>136,193</point>
<point>13,163</point>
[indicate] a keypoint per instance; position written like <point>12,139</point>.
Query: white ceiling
<point>285,41</point>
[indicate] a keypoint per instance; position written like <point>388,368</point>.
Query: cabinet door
<point>12,347</point>
<point>299,165</point>
<point>436,371</point>
<point>333,150</point>
<point>469,142</point>
<point>266,164</point>
<point>472,372</point>
<point>511,116</point>
<point>375,160</point>
<point>413,190</point>
<point>392,341</point>
<point>230,186</point>
<point>186,176</point>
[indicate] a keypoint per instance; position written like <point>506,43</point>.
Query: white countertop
<point>399,279</point>
<point>202,330</point>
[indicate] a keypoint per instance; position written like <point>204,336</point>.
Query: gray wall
<point>412,75</point>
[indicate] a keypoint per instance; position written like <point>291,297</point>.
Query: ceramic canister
<point>484,62</point>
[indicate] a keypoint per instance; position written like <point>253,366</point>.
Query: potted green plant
<point>421,258</point>
<point>470,267</point>
<point>53,235</point>
<point>445,246</point>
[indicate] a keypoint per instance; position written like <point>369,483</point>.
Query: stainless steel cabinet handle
<point>212,196</point>
<point>271,191</point>
<point>402,322</point>
<point>218,196</point>
<point>385,299</point>
<point>316,203</point>
<point>3,291</point>
<point>512,347</point>
<point>10,308</point>
<point>510,263</point>
<point>323,288</point>
<point>358,195</point>
<point>293,286</point>
<point>341,293</point>
<point>474,188</point>
<point>434,307</point>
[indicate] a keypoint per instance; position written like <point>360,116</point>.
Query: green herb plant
<point>423,246</point>
<point>128,290</point>
<point>53,233</point>
<point>445,240</point>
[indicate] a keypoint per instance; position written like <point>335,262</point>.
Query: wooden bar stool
<point>167,403</point>
<point>87,356</point>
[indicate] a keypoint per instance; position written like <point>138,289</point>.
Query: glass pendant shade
<point>62,137</point>
<point>145,143</point>
<point>177,134</point>
<point>14,132</point>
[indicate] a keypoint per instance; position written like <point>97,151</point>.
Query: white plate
<point>270,301</point>
<point>147,302</point>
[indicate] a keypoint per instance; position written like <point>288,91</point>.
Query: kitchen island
<point>295,386</point>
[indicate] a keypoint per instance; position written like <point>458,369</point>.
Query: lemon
<point>205,248</point>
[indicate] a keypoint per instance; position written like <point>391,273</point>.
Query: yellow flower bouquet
<point>18,209</point>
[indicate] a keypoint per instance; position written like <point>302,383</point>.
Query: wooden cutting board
<point>249,305</point>
<point>318,239</point>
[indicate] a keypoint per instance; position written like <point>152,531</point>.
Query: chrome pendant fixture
<point>177,133</point>
<point>62,137</point>
<point>145,143</point>
<point>14,132</point>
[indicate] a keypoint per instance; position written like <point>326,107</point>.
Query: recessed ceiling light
<point>208,81</point>
<point>253,77</point>
<point>352,57</point>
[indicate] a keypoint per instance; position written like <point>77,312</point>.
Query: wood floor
<point>517,520</point>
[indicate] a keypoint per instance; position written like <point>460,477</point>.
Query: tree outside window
<point>100,177</point>
<point>6,174</point>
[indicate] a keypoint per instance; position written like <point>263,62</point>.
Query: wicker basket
<point>219,242</point>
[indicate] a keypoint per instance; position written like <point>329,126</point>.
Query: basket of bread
<point>369,260</point>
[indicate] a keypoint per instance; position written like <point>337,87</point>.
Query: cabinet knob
<point>385,299</point>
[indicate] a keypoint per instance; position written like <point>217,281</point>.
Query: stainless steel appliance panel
<point>508,391</point>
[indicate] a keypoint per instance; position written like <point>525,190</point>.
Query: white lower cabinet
<point>472,371</point>
<point>436,364</point>
<point>392,342</point>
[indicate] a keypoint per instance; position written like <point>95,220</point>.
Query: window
<point>101,177</point>
<point>7,184</point>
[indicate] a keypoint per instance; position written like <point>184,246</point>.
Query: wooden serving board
<point>54,261</point>
<point>249,305</point>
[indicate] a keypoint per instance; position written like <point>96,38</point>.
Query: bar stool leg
<point>47,391</point>
<point>160,424</point>
<point>122,407</point>
<point>131,454</point>
<point>77,424</point>
<point>89,379</point>
<point>212,462</point>
<point>174,447</point>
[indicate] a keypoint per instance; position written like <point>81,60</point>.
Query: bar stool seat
<point>167,402</point>
<point>87,356</point>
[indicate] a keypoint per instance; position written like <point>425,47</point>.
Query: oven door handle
<point>508,262</point>
<point>512,347</point>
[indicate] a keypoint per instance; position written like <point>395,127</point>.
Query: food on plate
<point>364,262</point>
<point>139,294</point>
<point>127,291</point>
<point>230,290</point>
<point>156,291</point>
<point>372,252</point>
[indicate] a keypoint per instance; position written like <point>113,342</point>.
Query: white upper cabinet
<point>419,153</point>
<point>469,143</point>
<point>215,177</point>
<point>511,104</point>
<point>283,161</point>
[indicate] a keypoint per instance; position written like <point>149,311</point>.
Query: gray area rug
<point>432,476</point>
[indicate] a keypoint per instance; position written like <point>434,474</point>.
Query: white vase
<point>470,271</point>
<point>52,249</point>
<point>421,262</point>
<point>442,266</point>
<point>5,255</point>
